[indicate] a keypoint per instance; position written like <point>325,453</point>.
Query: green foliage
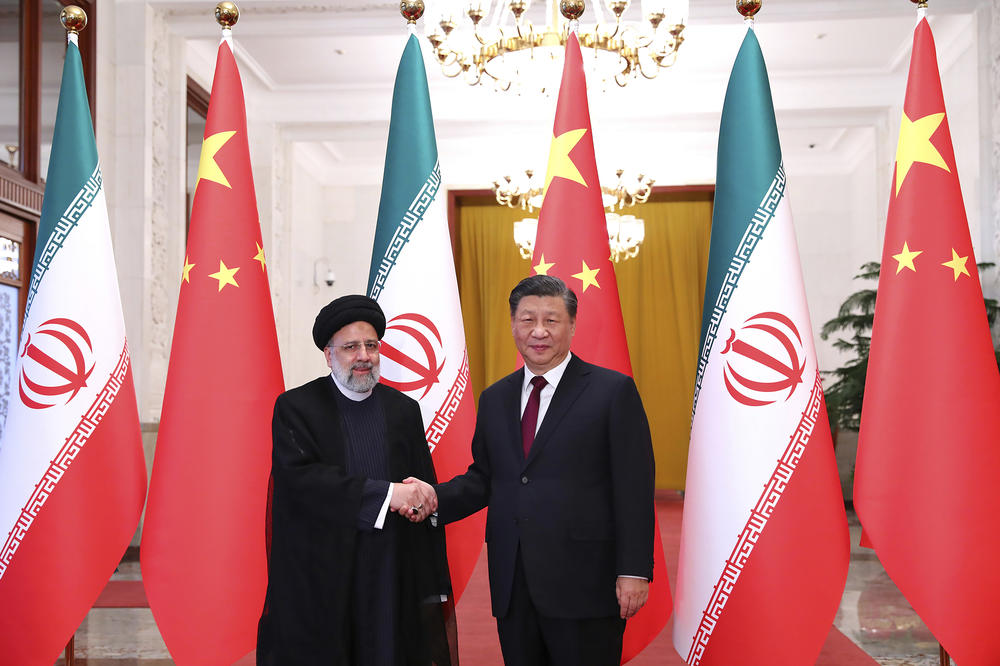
<point>854,318</point>
<point>854,324</point>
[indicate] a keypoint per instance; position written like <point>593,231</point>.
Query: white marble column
<point>145,182</point>
<point>269,158</point>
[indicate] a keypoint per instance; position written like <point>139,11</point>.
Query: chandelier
<point>485,41</point>
<point>625,235</point>
<point>527,194</point>
<point>625,232</point>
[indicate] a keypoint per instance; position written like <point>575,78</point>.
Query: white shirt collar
<point>552,376</point>
<point>351,395</point>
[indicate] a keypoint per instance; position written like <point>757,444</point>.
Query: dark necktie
<point>529,420</point>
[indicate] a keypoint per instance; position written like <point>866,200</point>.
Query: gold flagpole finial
<point>227,14</point>
<point>748,8</point>
<point>411,10</point>
<point>572,9</point>
<point>921,4</point>
<point>74,19</point>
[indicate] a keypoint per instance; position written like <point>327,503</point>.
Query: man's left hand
<point>632,594</point>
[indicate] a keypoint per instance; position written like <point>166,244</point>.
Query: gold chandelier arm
<point>496,81</point>
<point>635,32</point>
<point>618,27</point>
<point>665,59</point>
<point>531,29</point>
<point>643,40</point>
<point>452,68</point>
<point>474,81</point>
<point>479,38</point>
<point>642,69</point>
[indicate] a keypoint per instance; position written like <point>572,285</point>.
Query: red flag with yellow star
<point>928,455</point>
<point>203,551</point>
<point>572,244</point>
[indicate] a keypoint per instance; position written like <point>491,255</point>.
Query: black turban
<point>347,310</point>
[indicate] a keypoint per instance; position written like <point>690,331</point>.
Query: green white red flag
<point>764,539</point>
<point>412,276</point>
<point>72,474</point>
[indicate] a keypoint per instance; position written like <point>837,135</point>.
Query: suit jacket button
<point>524,480</point>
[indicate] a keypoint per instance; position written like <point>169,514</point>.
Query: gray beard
<point>362,384</point>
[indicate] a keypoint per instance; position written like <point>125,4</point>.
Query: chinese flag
<point>572,244</point>
<point>203,551</point>
<point>929,455</point>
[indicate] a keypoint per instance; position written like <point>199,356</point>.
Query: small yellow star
<point>560,163</point>
<point>588,276</point>
<point>208,168</point>
<point>260,256</point>
<point>915,145</point>
<point>225,275</point>
<point>543,268</point>
<point>905,258</point>
<point>187,269</point>
<point>957,264</point>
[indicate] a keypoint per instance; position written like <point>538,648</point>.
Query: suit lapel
<point>572,384</point>
<point>512,411</point>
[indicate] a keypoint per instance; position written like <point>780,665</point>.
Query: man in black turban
<point>351,581</point>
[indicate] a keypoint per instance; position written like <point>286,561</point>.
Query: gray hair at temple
<point>543,285</point>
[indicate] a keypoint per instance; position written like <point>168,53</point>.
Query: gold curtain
<point>661,291</point>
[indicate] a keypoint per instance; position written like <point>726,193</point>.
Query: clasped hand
<point>413,499</point>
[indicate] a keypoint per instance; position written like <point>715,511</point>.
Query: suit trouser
<point>528,638</point>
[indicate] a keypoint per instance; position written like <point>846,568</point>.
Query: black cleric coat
<point>312,534</point>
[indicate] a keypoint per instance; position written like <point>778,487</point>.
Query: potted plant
<point>846,390</point>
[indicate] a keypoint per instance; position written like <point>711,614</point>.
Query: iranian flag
<point>412,277</point>
<point>72,475</point>
<point>764,540</point>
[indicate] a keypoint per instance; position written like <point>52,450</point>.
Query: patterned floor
<point>873,614</point>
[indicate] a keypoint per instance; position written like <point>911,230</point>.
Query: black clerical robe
<point>313,535</point>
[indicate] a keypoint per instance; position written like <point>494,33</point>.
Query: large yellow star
<point>225,275</point>
<point>207,166</point>
<point>543,268</point>
<point>560,163</point>
<point>905,259</point>
<point>915,145</point>
<point>957,264</point>
<point>187,269</point>
<point>260,256</point>
<point>588,276</point>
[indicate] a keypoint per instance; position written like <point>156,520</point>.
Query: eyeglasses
<point>371,346</point>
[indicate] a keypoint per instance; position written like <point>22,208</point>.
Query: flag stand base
<point>70,656</point>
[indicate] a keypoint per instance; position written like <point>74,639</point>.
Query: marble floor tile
<point>872,613</point>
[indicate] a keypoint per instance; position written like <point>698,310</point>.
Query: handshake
<point>413,499</point>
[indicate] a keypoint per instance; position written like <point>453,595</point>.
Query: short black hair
<point>543,285</point>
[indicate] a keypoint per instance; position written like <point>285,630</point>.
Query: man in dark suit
<point>565,465</point>
<point>343,585</point>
